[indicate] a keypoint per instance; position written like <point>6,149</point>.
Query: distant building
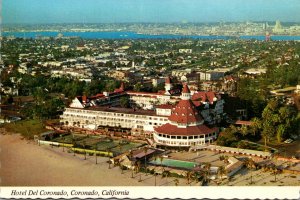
<point>211,75</point>
<point>185,51</point>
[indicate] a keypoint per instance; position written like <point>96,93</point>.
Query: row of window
<point>185,137</point>
<point>180,143</point>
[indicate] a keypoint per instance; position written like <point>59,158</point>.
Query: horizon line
<point>210,22</point>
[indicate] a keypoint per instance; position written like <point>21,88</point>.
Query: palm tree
<point>206,172</point>
<point>188,176</point>
<point>221,172</point>
<point>256,125</point>
<point>145,151</point>
<point>166,173</point>
<point>120,147</point>
<point>250,164</point>
<point>155,175</point>
<point>74,144</point>
<point>161,160</point>
<point>275,172</point>
<point>131,159</point>
<point>63,144</point>
<point>176,181</point>
<point>109,163</point>
<point>83,144</point>
<point>137,168</point>
<point>96,156</point>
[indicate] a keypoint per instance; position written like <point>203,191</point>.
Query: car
<point>288,141</point>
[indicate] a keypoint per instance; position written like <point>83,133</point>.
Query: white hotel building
<point>180,125</point>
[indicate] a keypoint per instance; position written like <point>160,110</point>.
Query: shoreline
<point>25,163</point>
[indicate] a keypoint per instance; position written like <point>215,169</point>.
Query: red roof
<point>170,129</point>
<point>121,89</point>
<point>84,99</point>
<point>204,96</point>
<point>165,106</point>
<point>185,112</point>
<point>241,122</point>
<point>186,89</point>
<point>168,80</point>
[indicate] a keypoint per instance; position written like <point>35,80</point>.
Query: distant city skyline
<point>157,11</point>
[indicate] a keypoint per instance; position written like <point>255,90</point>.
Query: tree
<point>206,172</point>
<point>155,175</point>
<point>166,173</point>
<point>256,125</point>
<point>188,176</point>
<point>96,155</point>
<point>145,152</point>
<point>137,87</point>
<point>275,171</point>
<point>281,129</point>
<point>250,164</point>
<point>161,160</point>
<point>83,144</point>
<point>124,102</point>
<point>176,182</point>
<point>244,130</point>
<point>221,172</point>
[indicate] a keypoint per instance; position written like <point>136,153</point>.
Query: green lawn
<point>27,128</point>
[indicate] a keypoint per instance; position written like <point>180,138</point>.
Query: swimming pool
<point>174,163</point>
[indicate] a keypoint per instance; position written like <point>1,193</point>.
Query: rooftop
<point>170,129</point>
<point>120,110</point>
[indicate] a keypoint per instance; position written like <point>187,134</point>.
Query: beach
<point>25,163</point>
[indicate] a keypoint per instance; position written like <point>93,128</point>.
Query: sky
<point>163,11</point>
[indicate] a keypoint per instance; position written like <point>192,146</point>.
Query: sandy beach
<point>24,163</point>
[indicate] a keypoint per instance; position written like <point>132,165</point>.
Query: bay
<point>134,35</point>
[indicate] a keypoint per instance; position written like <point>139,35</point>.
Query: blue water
<point>174,163</point>
<point>133,35</point>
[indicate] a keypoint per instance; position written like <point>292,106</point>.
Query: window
<point>184,137</point>
<point>173,137</point>
<point>190,137</point>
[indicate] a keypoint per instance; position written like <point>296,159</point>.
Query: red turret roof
<point>185,112</point>
<point>170,129</point>
<point>186,89</point>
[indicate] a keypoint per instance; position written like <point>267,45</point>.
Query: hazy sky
<point>102,11</point>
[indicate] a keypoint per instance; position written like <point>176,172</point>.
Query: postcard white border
<point>136,192</point>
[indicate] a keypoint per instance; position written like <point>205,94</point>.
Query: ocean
<point>134,35</point>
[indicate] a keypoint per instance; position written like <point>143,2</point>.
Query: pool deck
<point>199,157</point>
